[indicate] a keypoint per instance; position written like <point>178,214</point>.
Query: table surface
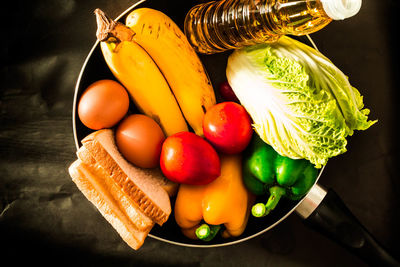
<point>41,208</point>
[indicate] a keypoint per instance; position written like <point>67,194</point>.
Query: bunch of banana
<point>152,58</point>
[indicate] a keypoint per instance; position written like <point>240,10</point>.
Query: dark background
<point>43,216</point>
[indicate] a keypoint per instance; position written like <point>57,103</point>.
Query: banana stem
<point>108,28</point>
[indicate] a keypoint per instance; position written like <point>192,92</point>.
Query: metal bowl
<point>95,68</point>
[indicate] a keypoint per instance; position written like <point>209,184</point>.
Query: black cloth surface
<point>44,219</point>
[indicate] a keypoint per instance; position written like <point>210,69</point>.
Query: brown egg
<point>103,104</point>
<point>139,139</point>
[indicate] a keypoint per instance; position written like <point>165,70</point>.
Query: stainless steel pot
<point>321,209</point>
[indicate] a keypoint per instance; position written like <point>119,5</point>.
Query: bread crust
<point>135,187</point>
<point>124,202</point>
<point>101,199</point>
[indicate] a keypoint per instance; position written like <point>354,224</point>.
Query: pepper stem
<point>261,210</point>
<point>258,210</point>
<point>206,232</point>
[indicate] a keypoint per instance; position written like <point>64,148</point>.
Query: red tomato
<point>227,93</point>
<point>139,139</point>
<point>189,159</point>
<point>103,104</point>
<point>227,126</point>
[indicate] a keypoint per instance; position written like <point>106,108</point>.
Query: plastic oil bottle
<point>221,25</point>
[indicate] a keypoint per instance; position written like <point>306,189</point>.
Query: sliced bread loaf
<point>142,185</point>
<point>96,192</point>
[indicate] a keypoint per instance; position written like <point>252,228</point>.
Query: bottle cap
<point>341,9</point>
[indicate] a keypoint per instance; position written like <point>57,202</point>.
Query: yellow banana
<point>137,71</point>
<point>179,63</point>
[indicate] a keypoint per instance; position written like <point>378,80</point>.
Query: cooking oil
<point>221,25</point>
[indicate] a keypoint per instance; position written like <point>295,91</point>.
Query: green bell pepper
<point>265,171</point>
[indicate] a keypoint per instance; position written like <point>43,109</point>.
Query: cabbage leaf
<point>300,102</point>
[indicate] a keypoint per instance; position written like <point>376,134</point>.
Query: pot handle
<point>324,211</point>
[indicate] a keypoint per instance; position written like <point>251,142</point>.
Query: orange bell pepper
<point>223,202</point>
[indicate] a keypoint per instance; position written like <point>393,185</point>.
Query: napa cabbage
<point>300,102</point>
